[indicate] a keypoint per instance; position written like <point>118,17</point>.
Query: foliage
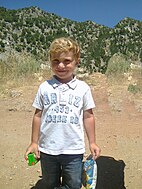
<point>18,65</point>
<point>117,65</point>
<point>133,88</point>
<point>32,30</point>
<point>136,85</point>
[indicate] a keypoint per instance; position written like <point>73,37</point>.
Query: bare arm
<point>89,125</point>
<point>33,147</point>
<point>36,126</point>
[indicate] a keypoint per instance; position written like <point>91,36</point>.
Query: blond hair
<point>63,44</point>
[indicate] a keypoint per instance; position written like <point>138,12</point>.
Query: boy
<point>63,106</point>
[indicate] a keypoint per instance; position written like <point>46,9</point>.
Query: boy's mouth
<point>61,70</point>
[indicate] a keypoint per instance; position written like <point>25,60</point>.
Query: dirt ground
<point>118,132</point>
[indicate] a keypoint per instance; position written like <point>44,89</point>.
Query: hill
<point>32,29</point>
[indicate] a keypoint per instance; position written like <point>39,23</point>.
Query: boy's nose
<point>61,65</point>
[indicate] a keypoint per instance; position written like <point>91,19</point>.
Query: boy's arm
<point>89,125</point>
<point>33,147</point>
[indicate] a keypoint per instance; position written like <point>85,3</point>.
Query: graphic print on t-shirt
<point>61,112</point>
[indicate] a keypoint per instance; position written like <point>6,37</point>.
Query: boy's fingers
<point>37,153</point>
<point>26,154</point>
<point>26,157</point>
<point>97,153</point>
<point>93,154</point>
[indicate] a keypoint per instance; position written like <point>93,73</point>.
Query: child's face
<point>63,65</point>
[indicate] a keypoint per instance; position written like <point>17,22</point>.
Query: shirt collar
<point>71,84</point>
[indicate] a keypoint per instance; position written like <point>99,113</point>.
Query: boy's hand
<point>33,148</point>
<point>95,151</point>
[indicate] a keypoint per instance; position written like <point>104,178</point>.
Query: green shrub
<point>16,65</point>
<point>117,65</point>
<point>133,88</point>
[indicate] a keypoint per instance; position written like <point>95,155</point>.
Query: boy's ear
<point>77,61</point>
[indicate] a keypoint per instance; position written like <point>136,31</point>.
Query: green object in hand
<point>31,159</point>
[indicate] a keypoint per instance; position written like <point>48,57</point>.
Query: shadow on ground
<point>110,173</point>
<point>39,185</point>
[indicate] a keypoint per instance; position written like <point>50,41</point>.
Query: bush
<point>15,65</point>
<point>117,65</point>
<point>136,72</point>
<point>133,88</point>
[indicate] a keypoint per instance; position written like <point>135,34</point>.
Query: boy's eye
<point>67,61</point>
<point>64,61</point>
<point>55,61</point>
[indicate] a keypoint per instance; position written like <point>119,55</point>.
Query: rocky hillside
<point>32,29</point>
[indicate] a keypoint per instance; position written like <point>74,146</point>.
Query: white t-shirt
<point>62,105</point>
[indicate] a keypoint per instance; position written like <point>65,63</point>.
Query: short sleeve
<point>88,100</point>
<point>38,101</point>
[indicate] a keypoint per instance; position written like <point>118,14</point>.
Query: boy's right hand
<point>33,148</point>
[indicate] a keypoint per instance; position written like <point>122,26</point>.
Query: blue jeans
<point>62,171</point>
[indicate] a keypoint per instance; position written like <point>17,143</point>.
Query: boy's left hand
<point>95,151</point>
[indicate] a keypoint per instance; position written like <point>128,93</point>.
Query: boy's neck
<point>64,80</point>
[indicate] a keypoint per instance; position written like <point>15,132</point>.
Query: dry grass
<point>20,69</point>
